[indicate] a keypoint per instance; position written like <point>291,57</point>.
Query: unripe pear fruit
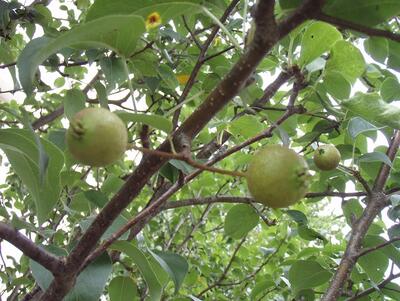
<point>97,137</point>
<point>327,157</point>
<point>277,176</point>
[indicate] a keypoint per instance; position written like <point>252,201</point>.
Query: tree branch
<point>358,27</point>
<point>373,289</point>
<point>384,172</point>
<point>377,247</point>
<point>226,270</point>
<point>377,200</point>
<point>30,249</point>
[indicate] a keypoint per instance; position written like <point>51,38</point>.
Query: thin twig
<point>358,27</point>
<point>377,247</point>
<point>373,289</point>
<point>183,157</point>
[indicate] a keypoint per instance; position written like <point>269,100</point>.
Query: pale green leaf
<point>318,38</point>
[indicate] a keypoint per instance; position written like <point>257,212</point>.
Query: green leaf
<point>392,290</point>
<point>390,89</point>
<point>394,55</point>
<point>372,108</point>
<point>375,265</point>
<point>337,85</point>
<point>175,265</point>
<point>117,224</point>
<point>88,286</point>
<point>43,160</point>
<point>298,216</point>
<point>262,286</point>
<point>23,154</point>
<point>91,282</point>
<point>168,76</point>
<point>123,289</point>
<point>377,48</point>
<point>154,286</point>
<point>101,94</point>
<point>246,126</point>
<point>375,157</point>
<point>365,12</point>
<point>167,9</point>
<point>239,220</point>
<point>114,71</point>
<point>156,121</point>
<point>358,126</point>
<point>113,32</point>
<point>74,102</point>
<point>182,166</point>
<point>390,251</point>
<point>318,38</point>
<point>352,210</point>
<point>309,234</point>
<point>307,274</point>
<point>394,231</point>
<point>346,59</point>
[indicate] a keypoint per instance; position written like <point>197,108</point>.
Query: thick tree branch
<point>384,172</point>
<point>358,27</point>
<point>30,249</point>
<point>376,202</point>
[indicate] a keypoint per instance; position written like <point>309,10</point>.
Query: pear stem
<point>188,160</point>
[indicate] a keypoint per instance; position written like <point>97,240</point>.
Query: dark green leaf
<point>175,265</point>
<point>154,286</point>
<point>113,32</point>
<point>298,216</point>
<point>240,220</point>
<point>74,102</point>
<point>365,12</point>
<point>305,274</point>
<point>156,121</point>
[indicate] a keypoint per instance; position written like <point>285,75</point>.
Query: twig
<point>373,289</point>
<point>226,270</point>
<point>200,60</point>
<point>358,27</point>
<point>356,174</point>
<point>183,157</point>
<point>377,247</point>
<point>385,169</point>
<point>193,36</point>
